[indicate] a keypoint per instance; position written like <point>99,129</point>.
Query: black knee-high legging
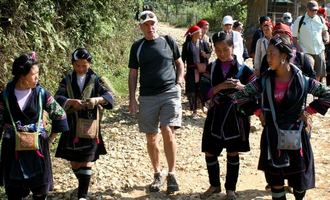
<point>278,194</point>
<point>83,175</point>
<point>232,172</point>
<point>19,192</point>
<point>213,170</point>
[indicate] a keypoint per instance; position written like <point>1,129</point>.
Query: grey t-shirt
<point>156,64</point>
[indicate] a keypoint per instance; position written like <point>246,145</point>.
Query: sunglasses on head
<point>147,16</point>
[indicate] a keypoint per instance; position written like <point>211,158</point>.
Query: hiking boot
<point>211,190</point>
<point>231,195</point>
<point>157,183</point>
<point>172,185</point>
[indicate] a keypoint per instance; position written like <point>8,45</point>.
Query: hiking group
<point>289,64</point>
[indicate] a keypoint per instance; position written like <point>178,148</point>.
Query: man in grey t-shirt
<point>161,77</point>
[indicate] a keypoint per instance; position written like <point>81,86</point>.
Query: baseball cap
<point>147,15</point>
<point>312,5</point>
<point>287,17</point>
<point>227,20</point>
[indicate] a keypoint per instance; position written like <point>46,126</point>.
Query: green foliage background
<point>184,13</point>
<point>54,28</point>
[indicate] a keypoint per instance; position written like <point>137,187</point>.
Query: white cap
<point>287,17</point>
<point>227,20</point>
<point>147,15</point>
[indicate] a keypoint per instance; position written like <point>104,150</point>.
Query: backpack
<point>301,21</point>
<point>166,38</point>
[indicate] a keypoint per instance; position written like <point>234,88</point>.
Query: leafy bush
<point>55,28</point>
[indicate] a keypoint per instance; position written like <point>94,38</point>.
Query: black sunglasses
<point>147,16</point>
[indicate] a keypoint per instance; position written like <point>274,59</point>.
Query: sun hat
<point>287,17</point>
<point>227,20</point>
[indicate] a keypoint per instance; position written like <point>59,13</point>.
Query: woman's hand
<point>238,83</point>
<point>76,104</point>
<point>227,84</point>
<point>90,103</point>
<point>307,119</point>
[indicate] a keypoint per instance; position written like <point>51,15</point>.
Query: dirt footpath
<point>125,172</point>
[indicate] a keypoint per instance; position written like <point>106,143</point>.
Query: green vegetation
<point>184,13</point>
<point>55,28</point>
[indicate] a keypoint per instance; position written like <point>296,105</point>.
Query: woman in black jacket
<point>283,89</point>
<point>225,126</point>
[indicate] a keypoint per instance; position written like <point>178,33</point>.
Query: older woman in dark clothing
<point>191,55</point>
<point>283,89</point>
<point>25,159</point>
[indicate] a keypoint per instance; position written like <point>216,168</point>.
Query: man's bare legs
<point>169,147</point>
<point>170,154</point>
<point>153,150</point>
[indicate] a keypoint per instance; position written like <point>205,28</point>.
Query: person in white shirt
<point>310,33</point>
<point>236,36</point>
<point>262,45</point>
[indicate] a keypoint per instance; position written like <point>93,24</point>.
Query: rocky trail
<point>125,172</point>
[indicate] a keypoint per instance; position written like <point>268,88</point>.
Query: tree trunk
<point>255,9</point>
